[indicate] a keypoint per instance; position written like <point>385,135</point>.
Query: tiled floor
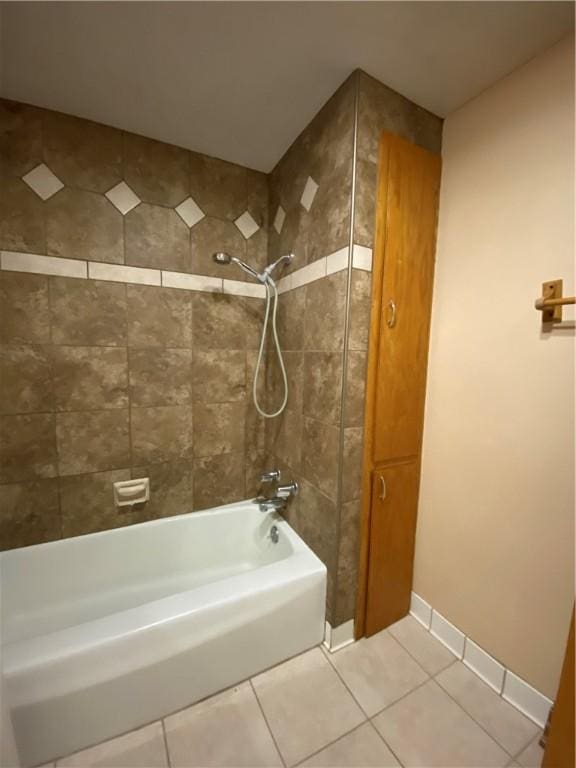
<point>397,698</point>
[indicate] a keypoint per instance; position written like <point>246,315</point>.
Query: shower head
<point>226,258</point>
<point>222,258</point>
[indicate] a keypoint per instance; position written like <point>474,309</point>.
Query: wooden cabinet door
<point>560,751</point>
<point>392,534</point>
<point>410,236</point>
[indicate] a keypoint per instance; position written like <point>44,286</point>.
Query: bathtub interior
<point>49,587</point>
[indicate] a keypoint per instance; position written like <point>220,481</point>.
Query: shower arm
<point>288,257</point>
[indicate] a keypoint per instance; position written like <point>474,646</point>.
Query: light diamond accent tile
<point>122,197</point>
<point>279,219</point>
<point>42,181</point>
<point>309,193</point>
<point>190,212</point>
<point>246,225</point>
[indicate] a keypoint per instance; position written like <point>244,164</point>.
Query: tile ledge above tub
<point>55,266</point>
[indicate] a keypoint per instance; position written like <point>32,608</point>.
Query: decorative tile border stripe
<point>362,257</point>
<point>119,273</point>
<point>327,265</point>
<point>43,265</point>
<point>512,688</point>
<point>55,266</point>
<point>237,288</point>
<point>188,282</point>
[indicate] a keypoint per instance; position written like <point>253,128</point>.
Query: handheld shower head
<point>226,258</point>
<point>222,258</point>
<point>271,297</point>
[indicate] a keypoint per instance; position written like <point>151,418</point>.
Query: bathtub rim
<point>154,522</point>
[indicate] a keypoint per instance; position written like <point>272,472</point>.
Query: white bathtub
<point>106,632</point>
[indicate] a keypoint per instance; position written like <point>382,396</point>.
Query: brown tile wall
<point>305,440</point>
<point>323,151</point>
<point>102,381</point>
<point>382,109</point>
<point>105,381</point>
<point>90,159</point>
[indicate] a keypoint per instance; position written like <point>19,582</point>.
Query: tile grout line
<point>329,660</point>
<point>401,698</point>
<point>500,693</point>
<point>330,744</point>
<point>433,677</point>
<point>490,736</point>
<point>470,715</point>
<point>343,394</point>
<point>517,755</point>
<point>50,356</point>
<point>370,718</point>
<point>129,399</point>
<point>261,708</point>
<point>166,749</point>
<point>386,743</point>
<point>429,677</point>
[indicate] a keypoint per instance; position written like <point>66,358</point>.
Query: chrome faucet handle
<point>285,491</point>
<point>270,477</point>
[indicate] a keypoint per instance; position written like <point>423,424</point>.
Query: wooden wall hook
<point>552,301</point>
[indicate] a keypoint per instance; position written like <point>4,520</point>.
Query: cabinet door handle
<point>382,488</point>
<point>391,320</point>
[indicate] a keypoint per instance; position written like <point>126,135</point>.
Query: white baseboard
<point>448,634</point>
<point>512,688</point>
<point>421,611</point>
<point>340,636</point>
<point>528,700</point>
<point>486,667</point>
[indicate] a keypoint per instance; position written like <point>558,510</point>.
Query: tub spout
<point>272,505</point>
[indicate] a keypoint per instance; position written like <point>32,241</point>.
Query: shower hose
<point>271,295</point>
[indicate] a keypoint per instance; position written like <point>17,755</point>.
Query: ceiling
<point>239,80</point>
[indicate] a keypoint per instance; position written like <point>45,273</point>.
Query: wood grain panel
<point>559,751</point>
<point>392,526</point>
<point>403,266</point>
<point>413,181</point>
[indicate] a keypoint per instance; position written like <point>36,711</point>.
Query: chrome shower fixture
<point>265,278</point>
<point>262,277</point>
<point>225,258</point>
<point>271,267</point>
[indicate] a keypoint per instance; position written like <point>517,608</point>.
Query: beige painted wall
<point>495,543</point>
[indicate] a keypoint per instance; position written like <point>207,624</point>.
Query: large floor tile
<point>378,671</point>
<point>427,728</point>
<point>306,705</point>
<point>143,748</point>
<point>503,722</point>
<point>428,652</point>
<point>362,748</point>
<point>531,757</point>
<point>226,730</point>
